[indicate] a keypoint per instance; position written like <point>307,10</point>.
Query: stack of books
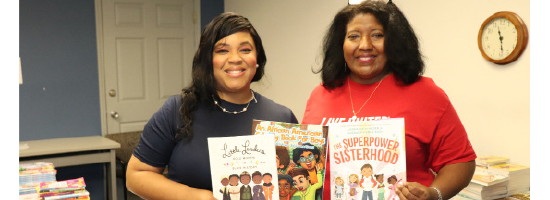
<point>518,196</point>
<point>64,190</point>
<point>32,173</point>
<point>30,177</point>
<point>496,178</point>
<point>487,161</point>
<point>519,176</point>
<point>487,185</point>
<point>37,182</point>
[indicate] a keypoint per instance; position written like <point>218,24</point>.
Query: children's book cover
<point>243,167</point>
<point>508,168</point>
<point>484,177</point>
<point>367,159</point>
<point>486,161</point>
<point>301,155</point>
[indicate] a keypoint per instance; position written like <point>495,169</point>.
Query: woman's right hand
<point>205,195</point>
<point>148,182</point>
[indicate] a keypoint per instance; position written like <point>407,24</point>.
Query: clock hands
<point>500,38</point>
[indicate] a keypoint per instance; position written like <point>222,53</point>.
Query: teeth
<point>366,58</point>
<point>236,71</point>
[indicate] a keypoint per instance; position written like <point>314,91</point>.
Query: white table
<point>73,151</point>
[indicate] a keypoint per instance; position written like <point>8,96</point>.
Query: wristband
<point>438,193</point>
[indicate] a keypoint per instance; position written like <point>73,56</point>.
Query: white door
<point>148,48</point>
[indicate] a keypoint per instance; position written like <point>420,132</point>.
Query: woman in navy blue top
<point>218,103</point>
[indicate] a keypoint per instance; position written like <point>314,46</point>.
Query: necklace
<point>236,112</point>
<point>351,99</point>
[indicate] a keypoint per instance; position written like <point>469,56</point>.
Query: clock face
<point>499,38</point>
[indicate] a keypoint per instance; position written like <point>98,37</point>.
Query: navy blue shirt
<point>188,161</point>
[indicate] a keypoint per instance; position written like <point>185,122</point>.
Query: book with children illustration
<point>367,159</point>
<point>301,155</point>
<point>243,167</point>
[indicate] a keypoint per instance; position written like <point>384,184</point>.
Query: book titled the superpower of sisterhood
<point>367,159</point>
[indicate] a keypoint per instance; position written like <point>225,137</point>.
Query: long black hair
<point>401,46</point>
<point>203,86</point>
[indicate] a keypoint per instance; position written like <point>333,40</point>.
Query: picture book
<point>243,166</point>
<point>486,161</point>
<point>301,155</point>
<point>485,177</point>
<point>509,168</point>
<point>367,159</point>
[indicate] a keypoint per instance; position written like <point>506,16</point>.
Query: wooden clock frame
<point>522,37</point>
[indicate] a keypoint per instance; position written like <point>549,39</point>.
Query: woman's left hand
<point>415,191</point>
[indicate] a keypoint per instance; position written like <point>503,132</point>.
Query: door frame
<point>100,53</point>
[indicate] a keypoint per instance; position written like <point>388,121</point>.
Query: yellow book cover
<point>486,161</point>
<point>509,168</point>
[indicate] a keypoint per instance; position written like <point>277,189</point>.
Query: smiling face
<point>380,178</point>
<point>392,181</point>
<point>245,179</point>
<point>267,179</point>
<point>234,180</point>
<point>225,181</point>
<point>301,182</point>
<point>339,181</point>
<point>284,188</point>
<point>367,172</point>
<point>353,178</point>
<point>364,49</point>
<point>308,160</point>
<point>257,179</point>
<point>234,63</point>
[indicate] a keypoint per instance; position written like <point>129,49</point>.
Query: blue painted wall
<point>58,50</point>
<point>60,93</point>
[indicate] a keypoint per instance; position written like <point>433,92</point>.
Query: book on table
<point>486,161</point>
<point>519,176</point>
<point>484,177</point>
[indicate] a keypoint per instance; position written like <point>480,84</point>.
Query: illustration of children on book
<point>309,158</point>
<point>257,190</point>
<point>392,180</point>
<point>367,182</point>
<point>225,190</point>
<point>353,184</point>
<point>302,182</point>
<point>380,180</point>
<point>246,191</point>
<point>283,159</point>
<point>286,187</point>
<point>339,188</point>
<point>234,190</point>
<point>268,187</point>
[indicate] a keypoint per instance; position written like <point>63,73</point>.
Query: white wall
<point>492,100</point>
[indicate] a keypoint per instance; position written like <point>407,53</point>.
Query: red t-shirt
<point>434,135</point>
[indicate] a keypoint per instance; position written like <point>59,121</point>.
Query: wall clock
<point>502,37</point>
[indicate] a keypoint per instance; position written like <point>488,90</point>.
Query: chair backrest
<point>128,142</point>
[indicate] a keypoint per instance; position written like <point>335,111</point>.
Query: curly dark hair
<point>401,46</point>
<point>284,156</point>
<point>298,151</point>
<point>287,177</point>
<point>203,86</point>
